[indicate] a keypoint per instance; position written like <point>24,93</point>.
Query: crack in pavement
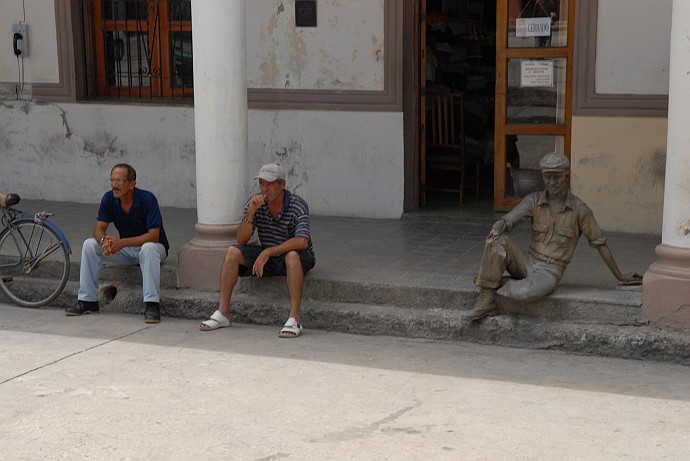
<point>342,436</point>
<point>72,355</point>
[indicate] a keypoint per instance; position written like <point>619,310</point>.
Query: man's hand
<point>255,202</point>
<point>258,268</point>
<point>111,245</point>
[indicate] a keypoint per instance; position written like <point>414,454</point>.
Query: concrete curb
<point>527,329</point>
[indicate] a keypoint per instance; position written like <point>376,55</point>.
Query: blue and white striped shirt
<point>292,221</point>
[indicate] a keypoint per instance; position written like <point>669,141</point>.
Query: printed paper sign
<point>532,27</point>
<point>536,73</point>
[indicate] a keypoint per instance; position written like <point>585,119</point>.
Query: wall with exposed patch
<point>343,163</point>
<point>344,52</point>
<point>618,169</point>
<point>65,152</point>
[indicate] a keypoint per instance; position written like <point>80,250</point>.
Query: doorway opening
<point>515,103</point>
<point>458,56</point>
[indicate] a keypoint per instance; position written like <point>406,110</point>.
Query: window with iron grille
<point>139,49</point>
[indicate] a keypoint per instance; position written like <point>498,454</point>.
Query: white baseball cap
<point>270,172</point>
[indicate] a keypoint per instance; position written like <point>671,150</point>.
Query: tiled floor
<point>430,248</point>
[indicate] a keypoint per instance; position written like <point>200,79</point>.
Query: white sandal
<point>291,329</point>
<point>217,320</point>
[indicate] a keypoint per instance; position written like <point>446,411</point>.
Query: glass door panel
<point>536,91</point>
<point>534,61</point>
<point>537,23</point>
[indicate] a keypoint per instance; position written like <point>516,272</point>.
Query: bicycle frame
<point>34,256</point>
<point>11,217</point>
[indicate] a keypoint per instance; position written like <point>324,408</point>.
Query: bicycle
<point>34,255</point>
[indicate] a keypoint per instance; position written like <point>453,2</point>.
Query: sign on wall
<point>305,13</point>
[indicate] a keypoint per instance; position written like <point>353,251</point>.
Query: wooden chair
<point>445,147</point>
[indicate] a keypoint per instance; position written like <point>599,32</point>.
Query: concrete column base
<point>666,289</point>
<point>200,260</point>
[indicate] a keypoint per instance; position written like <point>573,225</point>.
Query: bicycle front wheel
<point>34,264</point>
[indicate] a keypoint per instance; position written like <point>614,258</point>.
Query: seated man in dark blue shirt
<point>142,241</point>
<point>282,222</point>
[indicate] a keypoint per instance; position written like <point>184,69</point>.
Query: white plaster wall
<point>343,163</point>
<point>41,65</point>
<point>618,169</point>
<point>345,51</point>
<point>633,46</point>
<point>66,151</point>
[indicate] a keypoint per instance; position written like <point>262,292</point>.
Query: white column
<point>220,120</point>
<point>667,282</point>
<point>676,224</point>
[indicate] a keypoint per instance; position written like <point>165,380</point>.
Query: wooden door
<point>534,73</point>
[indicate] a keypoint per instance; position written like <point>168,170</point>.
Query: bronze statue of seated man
<point>558,219</point>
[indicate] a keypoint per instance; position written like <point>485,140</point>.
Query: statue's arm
<point>508,221</point>
<point>521,211</point>
<point>595,236</point>
<point>608,258</point>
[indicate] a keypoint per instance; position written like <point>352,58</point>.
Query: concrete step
<point>533,327</point>
<point>573,304</point>
<point>568,303</point>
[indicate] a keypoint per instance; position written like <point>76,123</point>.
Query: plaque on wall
<point>305,13</point>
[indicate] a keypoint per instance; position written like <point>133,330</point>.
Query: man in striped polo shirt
<point>282,222</point>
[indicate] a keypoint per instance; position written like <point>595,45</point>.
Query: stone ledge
<point>624,339</point>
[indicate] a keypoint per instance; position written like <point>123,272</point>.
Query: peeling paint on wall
<point>345,52</point>
<point>70,156</point>
<point>377,49</point>
<point>650,171</point>
<point>598,159</point>
<point>68,131</point>
<point>683,228</point>
<point>101,151</point>
<point>658,165</point>
<point>291,158</point>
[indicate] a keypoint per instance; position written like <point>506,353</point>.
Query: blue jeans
<point>148,256</point>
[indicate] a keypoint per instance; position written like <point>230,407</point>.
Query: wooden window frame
<point>157,29</point>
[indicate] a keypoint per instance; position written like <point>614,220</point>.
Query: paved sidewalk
<point>109,387</point>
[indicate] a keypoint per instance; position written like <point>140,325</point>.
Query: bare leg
<point>228,278</point>
<point>295,282</point>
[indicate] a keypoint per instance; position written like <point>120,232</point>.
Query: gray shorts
<point>275,266</point>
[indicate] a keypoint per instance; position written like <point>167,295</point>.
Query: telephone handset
<point>16,38</point>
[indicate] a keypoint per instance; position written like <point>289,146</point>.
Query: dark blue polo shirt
<point>143,215</point>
